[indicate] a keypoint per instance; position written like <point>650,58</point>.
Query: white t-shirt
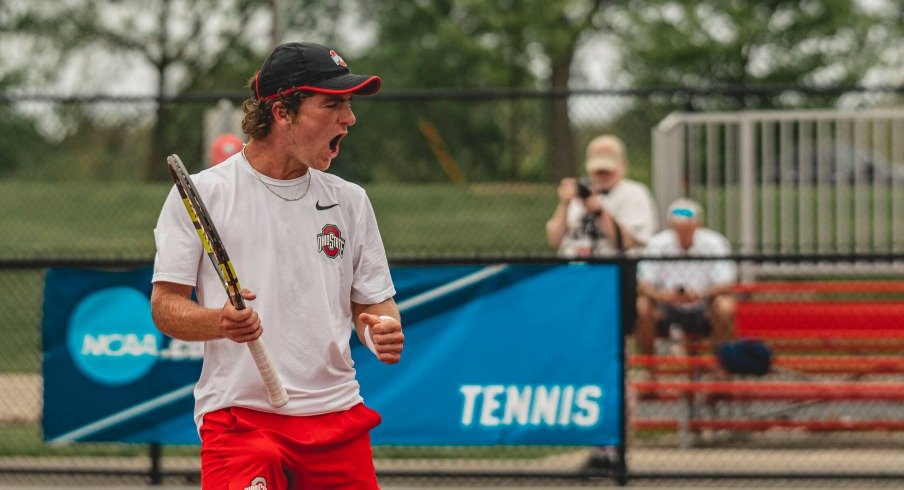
<point>693,275</point>
<point>306,265</point>
<point>632,206</point>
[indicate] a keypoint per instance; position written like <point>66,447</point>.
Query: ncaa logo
<point>330,242</point>
<point>111,337</point>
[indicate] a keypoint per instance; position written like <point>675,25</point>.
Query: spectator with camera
<point>694,296</point>
<point>605,215</point>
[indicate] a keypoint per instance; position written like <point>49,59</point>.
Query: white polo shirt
<point>693,275</point>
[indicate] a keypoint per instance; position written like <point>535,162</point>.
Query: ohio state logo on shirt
<point>258,483</point>
<point>330,242</point>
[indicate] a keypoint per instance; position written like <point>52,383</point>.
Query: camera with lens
<point>584,189</point>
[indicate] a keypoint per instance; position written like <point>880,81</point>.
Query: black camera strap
<point>619,239</point>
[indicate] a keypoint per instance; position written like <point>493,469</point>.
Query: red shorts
<point>244,449</point>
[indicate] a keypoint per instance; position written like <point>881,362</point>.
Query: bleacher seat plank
<point>763,424</point>
<point>774,390</point>
<point>813,319</point>
<point>839,364</point>
<point>846,287</point>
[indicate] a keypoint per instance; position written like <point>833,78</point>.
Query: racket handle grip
<point>275,390</point>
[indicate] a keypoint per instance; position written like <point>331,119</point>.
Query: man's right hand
<point>568,189</point>
<point>682,297</point>
<point>240,325</point>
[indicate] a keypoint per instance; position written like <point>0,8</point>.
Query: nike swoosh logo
<point>321,208</point>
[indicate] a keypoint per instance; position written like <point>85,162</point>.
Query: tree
<point>705,44</point>
<point>181,40</point>
<point>190,45</point>
<point>737,43</point>
<point>490,43</point>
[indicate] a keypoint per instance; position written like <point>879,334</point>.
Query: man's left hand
<point>386,333</point>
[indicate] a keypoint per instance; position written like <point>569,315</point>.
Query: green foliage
<point>432,45</point>
<point>390,143</point>
<point>704,44</point>
<point>21,146</point>
<point>479,44</point>
<point>525,44</point>
<point>186,45</point>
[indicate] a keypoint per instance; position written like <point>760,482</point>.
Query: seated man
<point>694,294</point>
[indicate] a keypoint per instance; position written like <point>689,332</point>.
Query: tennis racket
<point>215,250</point>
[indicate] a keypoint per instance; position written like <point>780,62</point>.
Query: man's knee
<point>646,308</point>
<point>724,306</point>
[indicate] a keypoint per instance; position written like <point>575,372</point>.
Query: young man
<point>306,243</point>
<point>697,295</point>
<point>610,215</point>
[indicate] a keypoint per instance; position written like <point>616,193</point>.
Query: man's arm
<point>177,316</point>
<point>621,236</point>
<point>648,289</point>
<point>383,326</point>
<point>557,226</point>
<point>633,229</point>
<point>719,289</point>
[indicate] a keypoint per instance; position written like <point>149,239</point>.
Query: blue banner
<point>506,355</point>
<point>109,374</point>
<point>494,355</point>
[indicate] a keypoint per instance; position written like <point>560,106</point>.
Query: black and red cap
<point>310,67</point>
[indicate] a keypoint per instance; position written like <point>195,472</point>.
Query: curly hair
<point>258,119</point>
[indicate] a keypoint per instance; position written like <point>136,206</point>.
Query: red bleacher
<point>781,314</point>
<point>854,328</point>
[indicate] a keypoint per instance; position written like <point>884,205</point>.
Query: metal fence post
<point>628,292</point>
<point>155,452</point>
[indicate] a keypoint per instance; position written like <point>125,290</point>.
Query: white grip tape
<point>275,390</point>
<point>368,341</point>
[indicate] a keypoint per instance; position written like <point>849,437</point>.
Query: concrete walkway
<point>733,463</point>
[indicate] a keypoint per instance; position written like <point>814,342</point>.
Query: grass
<point>436,219</point>
<point>20,317</point>
<point>104,220</point>
<point>25,440</point>
<point>86,220</point>
<point>480,452</point>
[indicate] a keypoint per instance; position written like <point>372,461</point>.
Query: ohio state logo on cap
<point>338,59</point>
<point>330,242</point>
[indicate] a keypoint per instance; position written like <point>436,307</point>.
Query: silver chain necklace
<point>259,179</point>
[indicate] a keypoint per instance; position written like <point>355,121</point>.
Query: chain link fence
<point>451,176</point>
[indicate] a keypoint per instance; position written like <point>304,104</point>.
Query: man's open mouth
<point>334,145</point>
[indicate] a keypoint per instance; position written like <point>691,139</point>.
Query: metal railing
<point>796,181</point>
